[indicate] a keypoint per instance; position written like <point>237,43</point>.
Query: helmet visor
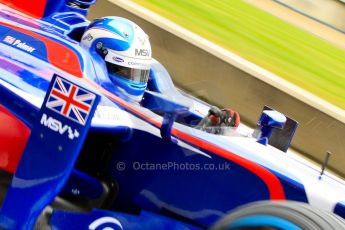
<point>136,75</point>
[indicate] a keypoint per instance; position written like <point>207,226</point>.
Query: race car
<point>75,153</point>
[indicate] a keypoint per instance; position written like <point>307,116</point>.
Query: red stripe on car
<point>273,184</point>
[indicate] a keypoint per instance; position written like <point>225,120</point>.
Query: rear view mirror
<point>279,137</point>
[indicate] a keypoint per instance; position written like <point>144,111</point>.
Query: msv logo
<point>142,52</point>
<point>57,126</point>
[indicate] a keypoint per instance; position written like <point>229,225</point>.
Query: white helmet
<point>126,50</point>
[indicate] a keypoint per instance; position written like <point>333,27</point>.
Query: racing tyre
<point>285,215</point>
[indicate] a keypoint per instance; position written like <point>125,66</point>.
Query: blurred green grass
<point>298,56</point>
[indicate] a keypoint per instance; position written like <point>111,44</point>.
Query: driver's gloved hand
<point>230,118</point>
<point>217,119</point>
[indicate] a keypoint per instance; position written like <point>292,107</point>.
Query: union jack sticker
<point>70,100</point>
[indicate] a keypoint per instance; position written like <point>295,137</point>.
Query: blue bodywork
<point>144,165</point>
<point>32,190</point>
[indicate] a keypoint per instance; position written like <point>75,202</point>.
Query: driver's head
<point>126,50</point>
